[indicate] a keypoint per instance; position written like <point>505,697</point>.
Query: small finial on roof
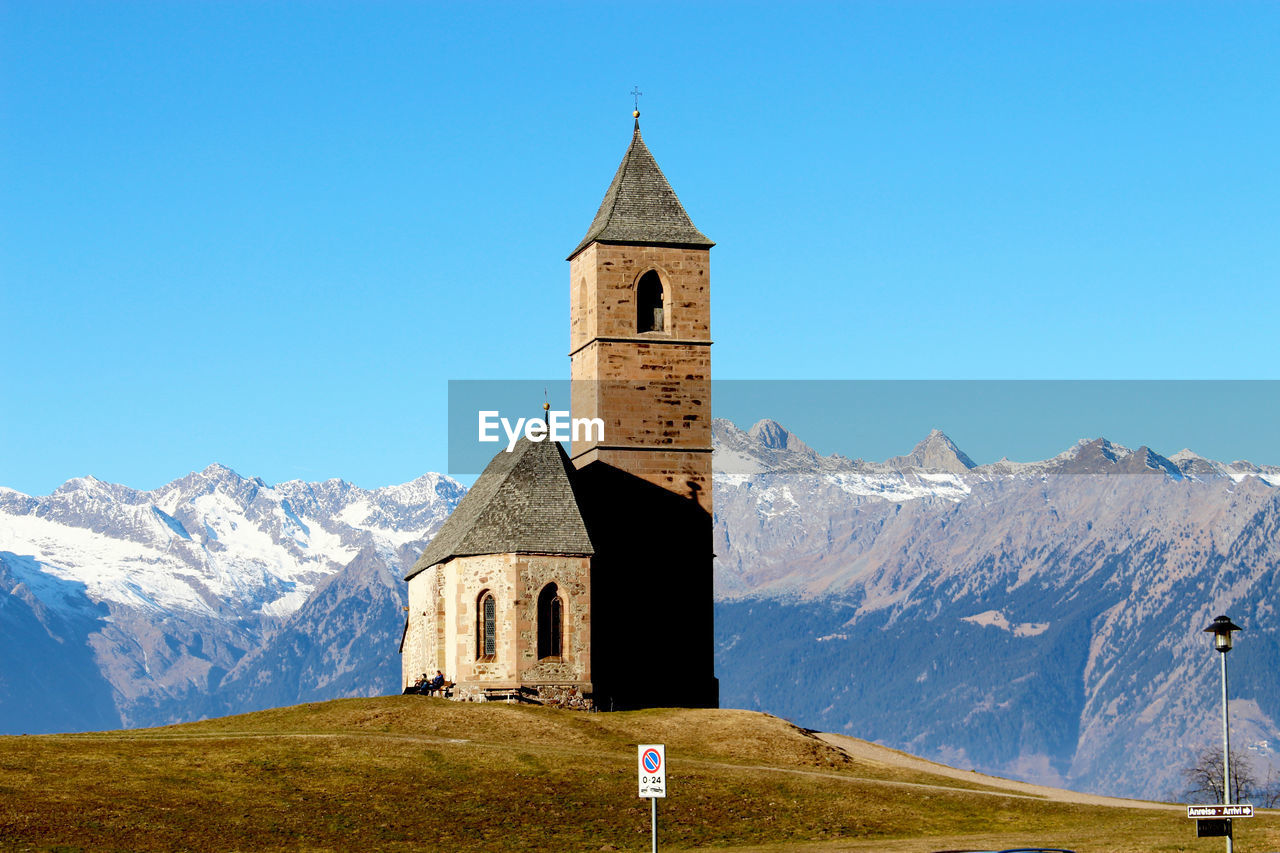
<point>636,93</point>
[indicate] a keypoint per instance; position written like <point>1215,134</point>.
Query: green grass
<point>409,773</point>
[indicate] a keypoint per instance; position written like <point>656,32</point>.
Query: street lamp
<point>1221,629</point>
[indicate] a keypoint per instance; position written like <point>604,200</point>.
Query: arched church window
<point>550,622</point>
<point>649,314</point>
<point>486,627</point>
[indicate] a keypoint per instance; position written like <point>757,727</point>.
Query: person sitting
<point>435,684</point>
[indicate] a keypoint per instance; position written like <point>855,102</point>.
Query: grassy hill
<point>410,773</point>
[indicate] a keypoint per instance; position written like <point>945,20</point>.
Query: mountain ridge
<point>1041,620</point>
<point>885,598</point>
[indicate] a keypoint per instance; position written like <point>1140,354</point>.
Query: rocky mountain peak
<point>218,471</point>
<point>87,483</point>
<point>1100,456</point>
<point>90,488</point>
<point>215,478</point>
<point>1107,449</point>
<point>937,452</point>
<point>766,446</point>
<point>1198,467</point>
<point>775,436</point>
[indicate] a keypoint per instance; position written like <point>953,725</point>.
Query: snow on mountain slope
<point>214,541</point>
<point>190,576</point>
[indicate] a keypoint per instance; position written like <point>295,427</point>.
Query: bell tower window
<point>649,313</point>
<point>550,623</point>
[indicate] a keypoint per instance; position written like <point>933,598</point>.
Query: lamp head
<point>1221,629</point>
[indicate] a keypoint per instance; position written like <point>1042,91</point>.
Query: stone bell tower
<point>640,333</point>
<point>640,360</point>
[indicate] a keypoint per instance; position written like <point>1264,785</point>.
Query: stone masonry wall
<point>516,580</point>
<point>651,395</point>
<point>651,389</point>
<point>572,577</point>
<point>421,650</point>
<point>602,292</point>
<point>467,578</point>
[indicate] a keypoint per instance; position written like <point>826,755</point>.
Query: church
<point>582,578</point>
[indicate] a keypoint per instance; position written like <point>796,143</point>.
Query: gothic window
<point>486,627</point>
<point>649,314</point>
<point>550,623</point>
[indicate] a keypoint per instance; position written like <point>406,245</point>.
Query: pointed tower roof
<point>641,207</point>
<point>522,503</point>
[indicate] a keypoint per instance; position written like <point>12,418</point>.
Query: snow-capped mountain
<point>1041,620</point>
<point>173,586</point>
<point>214,539</point>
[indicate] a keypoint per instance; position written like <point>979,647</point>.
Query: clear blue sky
<point>267,234</point>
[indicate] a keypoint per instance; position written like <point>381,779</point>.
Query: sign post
<point>651,765</point>
<point>1215,821</point>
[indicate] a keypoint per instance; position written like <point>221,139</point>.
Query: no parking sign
<point>652,766</point>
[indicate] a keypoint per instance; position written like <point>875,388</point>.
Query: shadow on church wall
<point>651,601</point>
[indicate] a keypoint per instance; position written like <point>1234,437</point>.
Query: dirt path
<point>863,751</point>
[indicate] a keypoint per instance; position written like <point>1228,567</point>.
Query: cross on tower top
<point>636,93</point>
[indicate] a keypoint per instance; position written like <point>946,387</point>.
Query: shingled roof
<point>641,207</point>
<point>522,503</point>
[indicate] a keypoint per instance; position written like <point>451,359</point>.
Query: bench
<point>510,695</point>
<point>445,690</point>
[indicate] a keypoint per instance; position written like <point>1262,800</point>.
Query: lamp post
<point>1221,629</point>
